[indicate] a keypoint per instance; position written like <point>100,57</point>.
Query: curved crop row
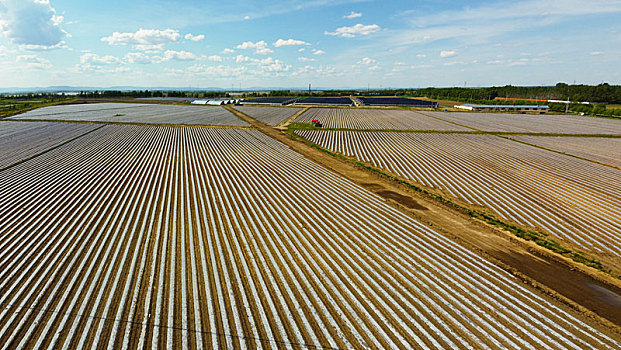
<point>575,200</point>
<point>135,237</point>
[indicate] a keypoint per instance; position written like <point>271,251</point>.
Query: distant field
<point>375,119</point>
<point>137,113</point>
<point>613,106</point>
<point>547,123</point>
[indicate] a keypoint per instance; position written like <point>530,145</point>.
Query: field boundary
<point>289,120</point>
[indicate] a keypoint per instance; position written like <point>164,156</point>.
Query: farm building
<point>505,108</point>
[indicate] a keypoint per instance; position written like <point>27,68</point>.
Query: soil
<point>594,293</point>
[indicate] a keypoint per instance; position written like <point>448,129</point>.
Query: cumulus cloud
<point>353,15</point>
<point>421,56</point>
<point>447,53</point>
<point>356,30</point>
<point>144,39</point>
<point>33,24</point>
<point>260,47</point>
<point>90,62</point>
<point>319,52</point>
<point>179,56</point>
<point>94,59</point>
<point>290,42</point>
<point>227,50</point>
<point>136,57</point>
<point>215,58</point>
<point>194,37</point>
<point>367,61</point>
<point>268,64</point>
<point>306,59</point>
<point>34,61</point>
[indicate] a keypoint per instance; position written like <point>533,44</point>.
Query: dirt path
<point>592,292</point>
<point>283,125</point>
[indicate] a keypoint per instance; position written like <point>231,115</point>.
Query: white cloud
<point>246,17</point>
<point>136,57</point>
<point>32,24</point>
<point>93,59</point>
<point>596,53</point>
<point>421,56</point>
<point>265,65</point>
<point>179,56</point>
<point>61,45</point>
<point>353,15</point>
<point>319,52</point>
<point>367,61</point>
<point>34,61</point>
<point>227,50</point>
<point>144,39</point>
<point>301,49</point>
<point>215,58</point>
<point>290,42</point>
<point>306,59</point>
<point>260,47</point>
<point>194,37</point>
<point>358,29</point>
<point>447,53</point>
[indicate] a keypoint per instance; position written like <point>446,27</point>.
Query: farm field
<point>142,236</point>
<point>269,115</point>
<point>375,119</point>
<point>548,123</point>
<point>136,113</point>
<point>21,140</point>
<point>575,200</point>
<point>603,150</point>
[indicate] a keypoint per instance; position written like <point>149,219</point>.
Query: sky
<point>290,43</point>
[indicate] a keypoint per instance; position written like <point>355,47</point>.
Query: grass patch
<point>538,237</point>
<point>9,108</point>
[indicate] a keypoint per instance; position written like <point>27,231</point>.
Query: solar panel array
<point>332,101</point>
<point>271,100</point>
<point>396,101</point>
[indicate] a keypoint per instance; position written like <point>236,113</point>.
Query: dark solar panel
<point>396,101</point>
<point>332,101</point>
<point>271,100</point>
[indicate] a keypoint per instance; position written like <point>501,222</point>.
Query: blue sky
<point>329,43</point>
